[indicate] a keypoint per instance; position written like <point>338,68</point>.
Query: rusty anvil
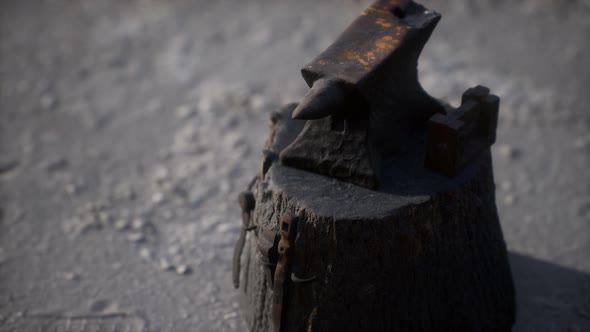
<point>365,100</point>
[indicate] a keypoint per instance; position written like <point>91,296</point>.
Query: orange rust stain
<point>381,22</point>
<point>385,43</point>
<point>378,10</point>
<point>363,62</point>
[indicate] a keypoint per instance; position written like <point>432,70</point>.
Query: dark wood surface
<point>383,261</point>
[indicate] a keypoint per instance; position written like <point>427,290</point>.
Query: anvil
<point>365,103</point>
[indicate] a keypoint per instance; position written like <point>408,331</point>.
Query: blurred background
<point>127,129</point>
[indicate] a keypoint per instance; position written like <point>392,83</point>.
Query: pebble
<point>104,217</point>
<point>230,315</point>
<point>138,223</point>
<point>135,237</point>
<point>146,254</point>
<point>507,151</point>
<point>48,102</point>
<point>8,166</point>
<point>157,198</point>
<point>102,306</point>
<point>183,269</point>
<point>72,276</point>
<point>257,102</point>
<point>173,250</point>
<point>56,164</point>
<point>121,224</point>
<point>124,192</point>
<point>70,189</point>
<point>509,199</point>
<point>184,112</point>
<point>161,174</point>
<point>506,185</point>
<point>164,264</point>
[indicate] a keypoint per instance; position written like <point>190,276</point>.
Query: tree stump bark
<point>424,253</point>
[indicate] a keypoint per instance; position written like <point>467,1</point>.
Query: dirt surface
<point>127,128</point>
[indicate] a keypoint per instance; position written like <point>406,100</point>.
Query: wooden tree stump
<point>425,253</point>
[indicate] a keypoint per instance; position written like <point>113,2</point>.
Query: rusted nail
<point>287,230</point>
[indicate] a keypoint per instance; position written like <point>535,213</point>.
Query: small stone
<point>257,102</point>
<point>124,192</point>
<point>183,269</point>
<point>56,164</point>
<point>138,223</point>
<point>72,276</point>
<point>7,166</point>
<point>184,112</point>
<point>173,250</point>
<point>102,306</point>
<point>508,152</point>
<point>230,315</point>
<point>121,224</point>
<point>509,199</point>
<point>135,237</point>
<point>506,185</point>
<point>161,174</point>
<point>164,264</point>
<point>48,101</point>
<point>157,198</point>
<point>528,219</point>
<point>145,253</point>
<point>70,188</point>
<point>104,217</point>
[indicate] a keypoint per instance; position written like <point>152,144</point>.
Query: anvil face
<point>387,32</point>
<point>369,41</point>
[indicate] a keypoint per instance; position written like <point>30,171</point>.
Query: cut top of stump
<point>405,181</point>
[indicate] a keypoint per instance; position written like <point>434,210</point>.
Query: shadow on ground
<point>550,297</point>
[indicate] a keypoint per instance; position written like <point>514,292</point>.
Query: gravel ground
<point>127,128</point>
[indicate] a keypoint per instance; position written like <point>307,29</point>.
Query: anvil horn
<point>323,99</point>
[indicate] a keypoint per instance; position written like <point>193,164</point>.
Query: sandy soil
<point>127,128</point>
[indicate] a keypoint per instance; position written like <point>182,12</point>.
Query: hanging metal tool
<point>288,232</point>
